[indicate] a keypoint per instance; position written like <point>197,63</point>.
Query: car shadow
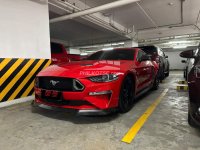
<point>74,116</point>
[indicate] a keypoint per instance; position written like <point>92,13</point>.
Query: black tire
<point>167,74</point>
<point>126,97</point>
<point>186,74</point>
<point>156,83</point>
<point>191,121</point>
<point>161,74</point>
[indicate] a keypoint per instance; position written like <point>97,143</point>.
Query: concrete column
<point>130,44</point>
<point>74,51</point>
<point>24,46</point>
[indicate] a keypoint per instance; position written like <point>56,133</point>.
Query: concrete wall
<point>24,29</point>
<point>175,60</point>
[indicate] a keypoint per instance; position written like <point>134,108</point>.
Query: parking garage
<point>95,75</point>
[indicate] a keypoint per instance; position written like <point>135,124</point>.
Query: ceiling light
<point>179,46</point>
<point>170,4</point>
<point>178,42</point>
<point>107,48</point>
<point>116,44</point>
<point>84,54</point>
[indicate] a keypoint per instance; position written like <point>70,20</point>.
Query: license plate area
<point>51,95</point>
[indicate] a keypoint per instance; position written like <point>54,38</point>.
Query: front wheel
<point>191,121</point>
<point>161,73</point>
<point>126,97</point>
<point>167,74</point>
<point>156,83</point>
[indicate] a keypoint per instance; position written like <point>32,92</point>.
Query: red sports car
<point>106,80</point>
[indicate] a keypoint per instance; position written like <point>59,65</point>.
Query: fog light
<point>100,93</point>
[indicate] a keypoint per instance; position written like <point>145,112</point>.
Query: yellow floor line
<point>130,135</point>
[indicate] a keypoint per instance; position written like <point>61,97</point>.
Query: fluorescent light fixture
<point>116,44</point>
<point>87,51</point>
<point>179,46</point>
<point>107,45</point>
<point>178,42</point>
<point>83,54</point>
<point>107,48</point>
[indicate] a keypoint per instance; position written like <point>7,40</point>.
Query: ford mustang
<point>104,81</point>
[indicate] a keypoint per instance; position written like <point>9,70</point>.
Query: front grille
<point>56,83</point>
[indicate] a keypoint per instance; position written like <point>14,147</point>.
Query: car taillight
<point>197,71</point>
<point>157,59</point>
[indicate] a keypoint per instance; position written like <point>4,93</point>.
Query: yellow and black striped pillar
<point>17,76</point>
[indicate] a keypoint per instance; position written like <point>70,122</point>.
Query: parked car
<point>58,53</point>
<point>106,80</point>
<point>160,58</point>
<point>194,88</point>
<point>188,65</point>
<point>74,57</point>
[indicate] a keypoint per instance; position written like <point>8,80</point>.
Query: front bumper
<point>95,96</point>
<point>194,97</point>
<point>194,111</point>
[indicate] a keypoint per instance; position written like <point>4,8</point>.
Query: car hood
<point>81,69</point>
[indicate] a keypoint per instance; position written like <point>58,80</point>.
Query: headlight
<point>36,82</point>
<point>104,78</point>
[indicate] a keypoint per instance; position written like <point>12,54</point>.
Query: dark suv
<point>194,87</point>
<point>160,58</point>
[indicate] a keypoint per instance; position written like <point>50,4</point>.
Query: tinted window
<point>161,53</point>
<point>149,49</point>
<point>112,55</point>
<point>139,56</point>
<point>56,48</point>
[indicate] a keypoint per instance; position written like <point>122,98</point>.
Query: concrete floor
<point>42,129</point>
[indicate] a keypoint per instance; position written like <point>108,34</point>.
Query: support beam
<point>94,10</point>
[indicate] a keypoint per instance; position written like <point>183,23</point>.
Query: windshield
<point>113,55</point>
<point>149,49</point>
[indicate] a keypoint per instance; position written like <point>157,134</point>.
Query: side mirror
<point>183,61</point>
<point>187,54</point>
<point>166,56</point>
<point>145,58</point>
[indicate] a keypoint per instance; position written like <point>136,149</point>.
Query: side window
<point>197,52</point>
<point>163,54</point>
<point>139,55</point>
<point>160,52</point>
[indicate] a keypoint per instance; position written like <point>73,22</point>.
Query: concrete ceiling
<point>165,15</point>
<point>79,31</point>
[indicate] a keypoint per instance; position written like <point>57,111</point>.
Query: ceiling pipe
<point>90,18</point>
<point>93,17</point>
<point>115,4</point>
